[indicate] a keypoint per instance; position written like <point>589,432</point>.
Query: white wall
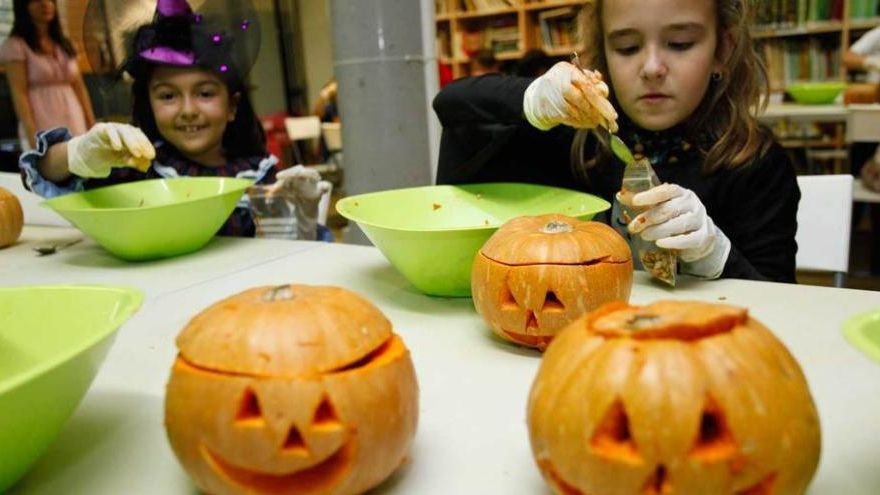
<point>317,45</point>
<point>266,76</point>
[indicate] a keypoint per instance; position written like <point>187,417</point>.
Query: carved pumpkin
<point>292,389</point>
<point>536,275</point>
<point>11,218</point>
<point>675,397</point>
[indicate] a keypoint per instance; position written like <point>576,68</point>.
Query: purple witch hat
<point>218,35</point>
<point>167,54</point>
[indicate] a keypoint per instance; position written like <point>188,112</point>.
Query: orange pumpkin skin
<point>292,389</point>
<point>11,218</point>
<point>675,397</point>
<point>536,275</point>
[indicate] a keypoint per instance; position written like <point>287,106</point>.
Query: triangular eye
<point>552,303</point>
<point>249,408</point>
<point>714,440</point>
<point>325,414</point>
<point>613,439</point>
<point>508,302</point>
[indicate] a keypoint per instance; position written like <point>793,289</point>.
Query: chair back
<point>301,128</point>
<point>824,216</point>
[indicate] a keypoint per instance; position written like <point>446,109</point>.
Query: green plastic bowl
<point>155,218</point>
<point>52,342</point>
<point>431,234</point>
<point>815,93</point>
<point>863,331</point>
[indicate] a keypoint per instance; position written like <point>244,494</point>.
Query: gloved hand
<point>571,96</point>
<point>109,145</point>
<point>872,63</point>
<point>676,219</point>
<point>305,187</point>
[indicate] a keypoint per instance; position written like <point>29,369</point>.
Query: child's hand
<point>106,146</point>
<point>570,96</point>
<point>676,219</point>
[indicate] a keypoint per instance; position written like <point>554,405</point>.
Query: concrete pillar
<point>386,69</point>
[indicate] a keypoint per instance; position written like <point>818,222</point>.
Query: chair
<point>302,129</point>
<point>34,214</point>
<point>824,216</point>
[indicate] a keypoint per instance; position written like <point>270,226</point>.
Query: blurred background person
<point>47,87</point>
<point>483,62</point>
<point>534,63</point>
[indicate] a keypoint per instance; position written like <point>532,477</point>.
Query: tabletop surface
<point>472,436</point>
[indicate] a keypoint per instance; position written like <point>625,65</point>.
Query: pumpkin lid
<point>555,239</point>
<point>285,331</point>
<point>682,320</point>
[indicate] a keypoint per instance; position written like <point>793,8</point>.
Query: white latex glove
<point>872,63</point>
<point>109,145</point>
<point>571,96</point>
<point>305,187</point>
<point>676,219</point>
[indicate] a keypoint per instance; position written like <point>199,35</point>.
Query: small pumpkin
<point>674,397</point>
<point>11,218</point>
<point>536,275</point>
<point>291,389</point>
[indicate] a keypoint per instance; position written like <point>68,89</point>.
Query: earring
<point>716,76</point>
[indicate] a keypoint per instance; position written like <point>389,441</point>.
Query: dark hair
<point>485,58</point>
<point>534,63</point>
<point>243,138</point>
<point>23,27</point>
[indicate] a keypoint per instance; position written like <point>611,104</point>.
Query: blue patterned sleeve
<point>33,180</point>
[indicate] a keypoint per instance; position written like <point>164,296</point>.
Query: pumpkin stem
<point>279,293</point>
<point>557,227</point>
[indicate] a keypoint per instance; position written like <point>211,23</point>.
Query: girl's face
<point>661,55</point>
<point>192,108</point>
<point>42,12</point>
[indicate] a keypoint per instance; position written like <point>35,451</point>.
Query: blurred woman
<point>40,62</point>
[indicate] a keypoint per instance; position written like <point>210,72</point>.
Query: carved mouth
<point>539,341</point>
<point>316,478</point>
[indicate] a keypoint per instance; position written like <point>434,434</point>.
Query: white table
<point>795,112</point>
<point>472,435</point>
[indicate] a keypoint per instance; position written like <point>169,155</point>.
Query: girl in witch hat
<point>191,116</point>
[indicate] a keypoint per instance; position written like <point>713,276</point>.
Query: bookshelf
<point>508,27</point>
<point>804,40</point>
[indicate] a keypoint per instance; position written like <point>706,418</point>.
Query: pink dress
<point>50,89</point>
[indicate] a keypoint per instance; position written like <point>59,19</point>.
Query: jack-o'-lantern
<point>11,218</point>
<point>536,275</point>
<point>674,397</point>
<point>291,389</point>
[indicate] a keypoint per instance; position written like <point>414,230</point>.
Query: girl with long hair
<point>47,88</point>
<point>688,83</point>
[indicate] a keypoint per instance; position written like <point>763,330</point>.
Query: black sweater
<point>487,139</point>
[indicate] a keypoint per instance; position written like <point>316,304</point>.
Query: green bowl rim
<point>13,382</point>
<point>852,329</point>
<point>341,204</point>
<point>245,183</point>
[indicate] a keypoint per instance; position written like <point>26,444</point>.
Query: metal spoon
<point>618,147</point>
<point>54,248</point>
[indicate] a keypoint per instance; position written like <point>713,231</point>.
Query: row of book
<point>500,36</point>
<point>563,27</point>
<point>772,14</point>
<point>486,5</point>
<point>800,60</point>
